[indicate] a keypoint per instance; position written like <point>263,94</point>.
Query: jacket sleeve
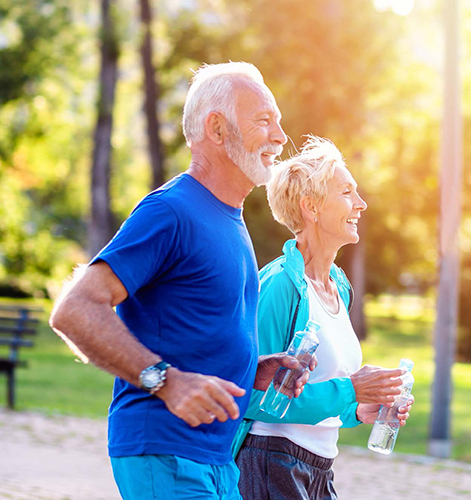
<point>349,416</point>
<point>278,299</point>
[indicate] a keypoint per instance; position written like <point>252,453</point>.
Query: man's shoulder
<point>171,196</point>
<point>172,189</point>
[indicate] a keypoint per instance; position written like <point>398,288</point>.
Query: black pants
<point>274,468</point>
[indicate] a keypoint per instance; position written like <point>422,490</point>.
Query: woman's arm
<point>278,300</point>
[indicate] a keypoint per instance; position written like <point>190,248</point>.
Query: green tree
<point>28,32</point>
<point>31,253</point>
<point>464,334</point>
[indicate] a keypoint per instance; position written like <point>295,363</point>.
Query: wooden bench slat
<point>28,309</point>
<point>16,342</point>
<point>6,364</point>
<point>15,319</point>
<point>17,330</point>
<point>23,324</point>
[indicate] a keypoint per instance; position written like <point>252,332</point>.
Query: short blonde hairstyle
<point>305,174</point>
<point>212,90</point>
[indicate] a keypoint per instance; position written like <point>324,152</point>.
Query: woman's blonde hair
<point>306,173</point>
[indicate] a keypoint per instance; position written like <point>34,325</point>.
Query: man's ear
<point>214,127</point>
<point>309,210</point>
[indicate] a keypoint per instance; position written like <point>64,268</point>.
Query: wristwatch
<point>152,378</point>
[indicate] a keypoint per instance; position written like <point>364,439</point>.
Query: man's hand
<point>199,399</point>
<point>367,413</point>
<point>268,364</point>
<point>377,385</point>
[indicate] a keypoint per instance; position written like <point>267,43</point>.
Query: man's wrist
<point>169,378</point>
<point>153,378</point>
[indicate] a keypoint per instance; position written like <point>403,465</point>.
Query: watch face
<point>150,378</point>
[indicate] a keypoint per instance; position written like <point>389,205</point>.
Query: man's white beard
<point>249,163</point>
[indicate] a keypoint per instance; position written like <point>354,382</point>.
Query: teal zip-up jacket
<point>284,309</point>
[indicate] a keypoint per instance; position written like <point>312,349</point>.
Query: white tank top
<point>338,355</point>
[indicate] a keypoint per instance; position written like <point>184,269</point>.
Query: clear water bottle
<point>279,394</point>
<point>386,427</point>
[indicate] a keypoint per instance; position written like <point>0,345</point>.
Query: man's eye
<point>264,121</point>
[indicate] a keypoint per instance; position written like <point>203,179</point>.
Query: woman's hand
<point>367,413</point>
<point>377,385</point>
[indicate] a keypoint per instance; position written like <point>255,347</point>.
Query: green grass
<point>54,383</point>
<point>406,331</point>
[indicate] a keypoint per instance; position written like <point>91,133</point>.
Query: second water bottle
<point>384,433</point>
<point>279,394</point>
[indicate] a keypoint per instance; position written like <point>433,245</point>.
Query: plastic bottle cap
<point>313,326</point>
<point>407,364</point>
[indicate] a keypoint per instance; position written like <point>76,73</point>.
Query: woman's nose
<point>361,204</point>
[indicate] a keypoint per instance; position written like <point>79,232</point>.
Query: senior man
<point>182,272</point>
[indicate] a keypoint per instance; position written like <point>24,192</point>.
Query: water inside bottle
<point>274,402</point>
<point>277,398</point>
<point>383,436</point>
<point>285,379</point>
<point>386,428</point>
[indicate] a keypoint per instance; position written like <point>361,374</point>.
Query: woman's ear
<point>214,127</point>
<point>309,209</point>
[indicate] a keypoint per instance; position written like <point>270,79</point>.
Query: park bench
<point>16,324</point>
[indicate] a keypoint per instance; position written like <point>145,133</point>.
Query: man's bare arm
<point>84,316</point>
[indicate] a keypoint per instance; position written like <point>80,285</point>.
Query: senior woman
<point>315,196</point>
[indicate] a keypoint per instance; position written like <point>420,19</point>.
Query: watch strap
<point>162,366</point>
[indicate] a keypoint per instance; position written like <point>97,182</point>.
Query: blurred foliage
<point>36,41</point>
<point>29,30</point>
<point>351,78</point>
<point>464,334</point>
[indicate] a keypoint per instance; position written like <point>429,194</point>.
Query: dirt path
<point>64,458</point>
<point>364,475</point>
<point>53,458</point>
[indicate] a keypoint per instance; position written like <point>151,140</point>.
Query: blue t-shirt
<point>188,264</point>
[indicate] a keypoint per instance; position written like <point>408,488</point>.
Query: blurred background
<point>91,97</point>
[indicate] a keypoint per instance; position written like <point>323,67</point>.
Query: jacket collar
<point>294,265</point>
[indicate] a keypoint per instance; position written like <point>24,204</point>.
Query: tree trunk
<point>450,216</point>
<point>101,223</point>
<point>354,258</point>
<point>357,278</point>
<point>151,96</point>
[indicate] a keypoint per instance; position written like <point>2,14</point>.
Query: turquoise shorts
<point>166,477</point>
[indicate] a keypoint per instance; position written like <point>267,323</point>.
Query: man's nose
<point>278,135</point>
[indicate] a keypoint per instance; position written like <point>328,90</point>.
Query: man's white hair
<point>212,91</point>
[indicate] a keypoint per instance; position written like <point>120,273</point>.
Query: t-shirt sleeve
<point>145,246</point>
